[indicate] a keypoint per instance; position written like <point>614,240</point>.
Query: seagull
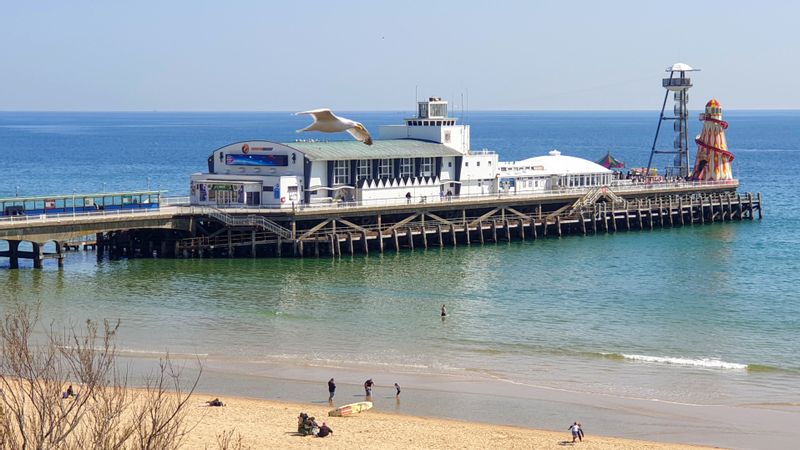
<point>327,122</point>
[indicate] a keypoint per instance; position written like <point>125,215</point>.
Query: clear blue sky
<point>372,55</point>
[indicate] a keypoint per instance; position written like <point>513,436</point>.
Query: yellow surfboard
<point>350,409</point>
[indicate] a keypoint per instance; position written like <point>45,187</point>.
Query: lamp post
<point>73,203</point>
<point>16,191</point>
<point>104,186</point>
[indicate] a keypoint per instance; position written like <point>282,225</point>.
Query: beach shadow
<point>570,443</point>
<point>322,402</point>
<point>295,433</point>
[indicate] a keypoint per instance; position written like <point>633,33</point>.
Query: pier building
<point>427,157</point>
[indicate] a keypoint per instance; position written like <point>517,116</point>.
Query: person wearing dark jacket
<point>324,430</point>
<point>331,390</point>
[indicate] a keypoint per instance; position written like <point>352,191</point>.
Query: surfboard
<point>350,409</point>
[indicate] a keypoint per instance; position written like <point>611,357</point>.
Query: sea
<point>679,334</point>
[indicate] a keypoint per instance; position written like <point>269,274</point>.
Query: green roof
<point>388,148</point>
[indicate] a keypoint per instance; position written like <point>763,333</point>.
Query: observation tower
<point>678,84</point>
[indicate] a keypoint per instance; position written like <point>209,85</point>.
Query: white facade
<point>553,171</point>
<point>428,157</point>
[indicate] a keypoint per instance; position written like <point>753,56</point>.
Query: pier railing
<point>168,204</point>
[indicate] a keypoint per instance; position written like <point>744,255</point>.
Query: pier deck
<point>337,229</point>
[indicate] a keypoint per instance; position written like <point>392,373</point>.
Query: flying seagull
<point>327,122</point>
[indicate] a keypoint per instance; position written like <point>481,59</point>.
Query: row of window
<point>341,169</point>
<point>431,123</point>
<point>585,180</point>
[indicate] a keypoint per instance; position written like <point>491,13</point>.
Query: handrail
<point>250,220</point>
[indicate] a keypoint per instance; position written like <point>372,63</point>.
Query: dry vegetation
<point>105,413</point>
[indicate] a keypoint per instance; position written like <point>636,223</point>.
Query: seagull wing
<point>360,133</point>
<point>321,117</point>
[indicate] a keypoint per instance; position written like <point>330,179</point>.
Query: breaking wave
<point>710,363</point>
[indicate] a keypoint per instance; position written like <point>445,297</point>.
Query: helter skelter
<point>713,161</point>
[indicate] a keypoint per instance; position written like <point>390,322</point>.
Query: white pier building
<point>428,158</point>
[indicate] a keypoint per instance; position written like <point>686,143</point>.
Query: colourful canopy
<point>609,162</point>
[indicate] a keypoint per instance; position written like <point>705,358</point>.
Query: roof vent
<point>554,153</point>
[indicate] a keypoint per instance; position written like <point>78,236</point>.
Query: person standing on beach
<point>576,431</point>
<point>368,387</point>
<point>331,390</point>
<point>397,386</point>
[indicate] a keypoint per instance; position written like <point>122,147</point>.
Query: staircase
<point>594,194</point>
<point>250,221</point>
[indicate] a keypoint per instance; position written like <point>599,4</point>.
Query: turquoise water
<point>704,315</point>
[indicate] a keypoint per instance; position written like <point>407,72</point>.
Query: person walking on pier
<point>331,390</point>
<point>408,198</point>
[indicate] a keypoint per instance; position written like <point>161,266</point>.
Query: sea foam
<point>710,363</point>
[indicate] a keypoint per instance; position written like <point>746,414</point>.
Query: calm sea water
<point>702,315</point>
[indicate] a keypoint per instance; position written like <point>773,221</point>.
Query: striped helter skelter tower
<point>713,158</point>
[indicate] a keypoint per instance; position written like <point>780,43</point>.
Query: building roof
<point>386,148</point>
<point>681,67</point>
<point>552,164</point>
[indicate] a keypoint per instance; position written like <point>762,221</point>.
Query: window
<point>449,164</point>
<point>466,164</point>
<point>478,163</point>
<point>406,167</point>
<point>446,137</point>
<point>385,169</point>
<point>426,167</point>
<point>363,169</point>
<point>341,172</point>
<point>438,123</point>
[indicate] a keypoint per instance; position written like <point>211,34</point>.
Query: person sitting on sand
<point>314,426</point>
<point>301,420</point>
<point>69,393</point>
<point>215,402</point>
<point>324,430</point>
<point>308,426</point>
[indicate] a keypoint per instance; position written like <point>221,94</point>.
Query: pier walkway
<point>177,229</point>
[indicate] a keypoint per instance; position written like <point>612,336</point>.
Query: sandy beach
<point>265,424</point>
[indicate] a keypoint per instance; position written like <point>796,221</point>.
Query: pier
<point>181,230</point>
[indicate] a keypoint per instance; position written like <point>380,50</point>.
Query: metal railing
<point>181,204</point>
<point>250,221</point>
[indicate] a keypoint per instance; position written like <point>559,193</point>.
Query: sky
<point>203,55</point>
